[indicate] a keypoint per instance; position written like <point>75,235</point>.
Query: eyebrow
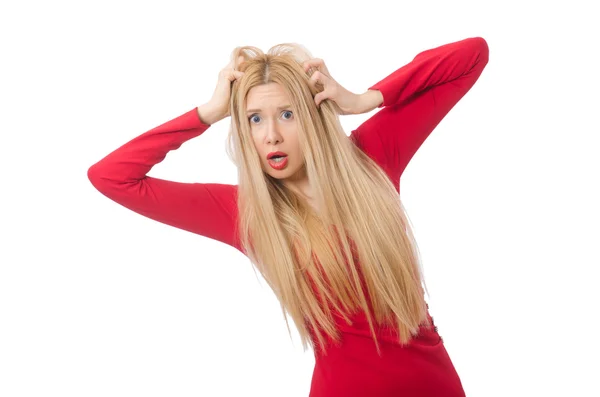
<point>278,108</point>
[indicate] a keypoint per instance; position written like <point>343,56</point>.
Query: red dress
<point>416,98</point>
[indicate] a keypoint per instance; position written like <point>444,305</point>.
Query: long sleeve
<point>207,209</point>
<point>416,98</point>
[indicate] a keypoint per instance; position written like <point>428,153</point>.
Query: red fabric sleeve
<point>416,98</point>
<point>208,209</point>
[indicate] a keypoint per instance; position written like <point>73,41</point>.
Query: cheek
<point>297,147</point>
<point>293,140</point>
<point>257,146</point>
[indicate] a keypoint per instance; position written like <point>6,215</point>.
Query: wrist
<point>371,99</point>
<point>208,115</point>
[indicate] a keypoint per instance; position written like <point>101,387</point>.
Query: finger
<point>234,75</point>
<point>316,66</point>
<point>316,63</point>
<point>240,61</point>
<point>318,77</point>
<point>320,97</point>
<point>232,63</point>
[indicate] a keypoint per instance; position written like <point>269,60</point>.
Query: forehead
<point>264,96</point>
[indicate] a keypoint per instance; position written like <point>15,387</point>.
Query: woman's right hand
<point>219,103</point>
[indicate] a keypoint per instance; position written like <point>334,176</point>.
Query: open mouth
<point>278,162</point>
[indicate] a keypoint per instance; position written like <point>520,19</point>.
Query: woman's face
<point>274,128</point>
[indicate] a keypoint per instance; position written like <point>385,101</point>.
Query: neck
<point>300,184</point>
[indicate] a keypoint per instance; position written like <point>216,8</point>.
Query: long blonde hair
<point>314,263</point>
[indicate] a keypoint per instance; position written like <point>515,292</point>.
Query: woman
<point>357,296</point>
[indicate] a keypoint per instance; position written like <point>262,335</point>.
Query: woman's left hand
<point>346,101</point>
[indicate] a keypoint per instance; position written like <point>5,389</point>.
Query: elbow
<point>95,176</point>
<point>482,49</point>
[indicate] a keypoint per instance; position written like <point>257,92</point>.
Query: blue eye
<point>256,115</point>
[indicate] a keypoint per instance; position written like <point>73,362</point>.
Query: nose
<point>273,136</point>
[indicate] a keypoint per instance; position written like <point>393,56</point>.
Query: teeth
<point>278,159</point>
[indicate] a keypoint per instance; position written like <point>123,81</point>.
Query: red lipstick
<point>277,160</point>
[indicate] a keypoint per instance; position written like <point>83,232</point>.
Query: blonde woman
<point>317,212</point>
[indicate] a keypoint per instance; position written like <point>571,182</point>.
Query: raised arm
<point>207,209</point>
<point>416,98</point>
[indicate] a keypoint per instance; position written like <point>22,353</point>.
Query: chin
<point>279,174</point>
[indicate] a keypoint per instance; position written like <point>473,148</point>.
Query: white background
<point>96,300</point>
